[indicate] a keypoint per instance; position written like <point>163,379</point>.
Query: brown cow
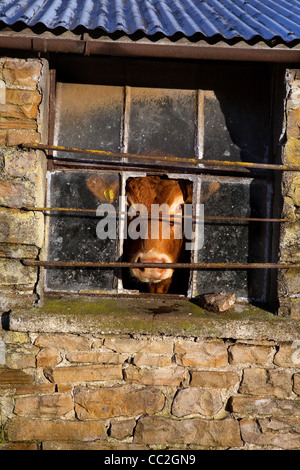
<point>156,190</point>
<point>150,190</point>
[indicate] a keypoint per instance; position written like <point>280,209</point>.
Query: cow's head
<point>149,190</point>
<point>167,244</point>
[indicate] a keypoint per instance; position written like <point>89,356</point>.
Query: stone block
<point>295,308</point>
<point>10,298</point>
<point>213,379</point>
<point>263,406</point>
<point>3,136</point>
<point>48,357</point>
<point>15,337</point>
<point>23,228</point>
<point>18,124</point>
<point>20,136</point>
<point>87,373</point>
<point>290,242</point>
<point>11,376</point>
<point>291,154</point>
<point>22,73</point>
<point>97,357</point>
<point>171,376</point>
<point>44,406</point>
<point>14,273</point>
<point>117,401</point>
<point>21,446</point>
<point>291,186</point>
<point>122,429</point>
<point>11,250</point>
<point>21,357</point>
<point>293,122</point>
<point>27,389</point>
<point>146,346</point>
<point>203,354</point>
<point>17,193</point>
<point>191,401</point>
<point>152,360</point>
<point>278,433</point>
<point>26,429</point>
<point>290,281</point>
<point>296,385</point>
<point>63,342</point>
<point>284,356</point>
<point>265,382</point>
<point>23,97</point>
<point>250,354</point>
<point>20,163</point>
<point>2,353</point>
<point>18,112</point>
<point>196,432</point>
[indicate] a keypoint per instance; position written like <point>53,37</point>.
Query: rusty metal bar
<point>140,166</point>
<point>193,217</point>
<point>102,153</point>
<point>112,265</point>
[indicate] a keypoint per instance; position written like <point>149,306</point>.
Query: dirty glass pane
<point>236,113</point>
<point>88,117</point>
<point>161,119</point>
<point>73,236</point>
<point>234,242</point>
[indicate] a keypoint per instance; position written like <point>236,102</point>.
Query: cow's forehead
<point>154,190</point>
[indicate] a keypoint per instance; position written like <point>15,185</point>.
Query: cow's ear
<point>102,189</point>
<point>211,189</point>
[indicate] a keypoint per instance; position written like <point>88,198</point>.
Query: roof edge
<point>163,48</point>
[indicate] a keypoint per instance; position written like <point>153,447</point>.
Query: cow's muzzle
<point>145,274</point>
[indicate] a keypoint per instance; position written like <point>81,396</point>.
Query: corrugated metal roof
<point>244,19</point>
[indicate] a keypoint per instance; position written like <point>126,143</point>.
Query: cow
<point>148,191</point>
<point>173,194</point>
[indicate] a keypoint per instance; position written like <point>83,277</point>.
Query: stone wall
<point>23,119</point>
<point>126,392</point>
<point>289,281</point>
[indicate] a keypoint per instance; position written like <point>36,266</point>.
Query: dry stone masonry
<point>289,285</point>
<point>23,107</point>
<point>68,391</point>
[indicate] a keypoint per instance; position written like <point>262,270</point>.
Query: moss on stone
<point>150,316</point>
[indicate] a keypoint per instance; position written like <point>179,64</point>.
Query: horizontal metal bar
<point>159,158</point>
<point>93,211</point>
<point>140,166</point>
<point>112,265</point>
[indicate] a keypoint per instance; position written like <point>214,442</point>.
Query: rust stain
<point>161,158</point>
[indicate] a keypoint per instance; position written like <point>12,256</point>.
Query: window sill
<point>151,317</point>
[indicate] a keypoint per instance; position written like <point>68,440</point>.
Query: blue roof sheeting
<point>243,19</point>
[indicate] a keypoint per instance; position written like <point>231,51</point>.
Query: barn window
<point>185,109</point>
